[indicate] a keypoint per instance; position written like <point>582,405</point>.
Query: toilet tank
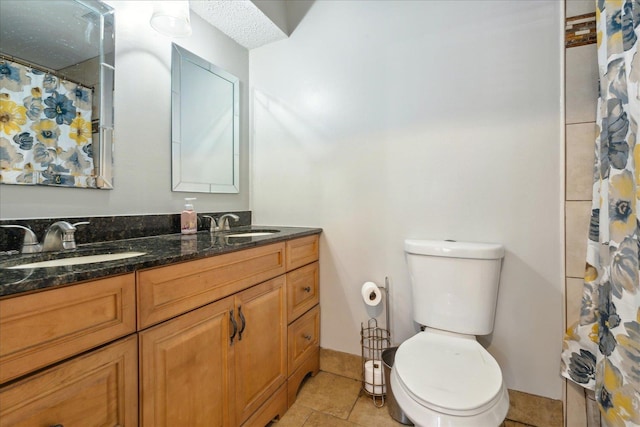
<point>454,284</point>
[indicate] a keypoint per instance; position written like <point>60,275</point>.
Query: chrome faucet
<point>223,221</point>
<point>59,236</point>
<point>30,243</point>
<point>222,224</point>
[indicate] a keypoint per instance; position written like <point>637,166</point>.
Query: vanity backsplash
<point>109,228</point>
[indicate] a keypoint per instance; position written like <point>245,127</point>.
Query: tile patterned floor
<point>329,400</point>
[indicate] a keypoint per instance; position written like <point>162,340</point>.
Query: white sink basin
<point>252,234</point>
<point>89,259</point>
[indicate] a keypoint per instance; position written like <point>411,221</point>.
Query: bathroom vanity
<point>203,333</point>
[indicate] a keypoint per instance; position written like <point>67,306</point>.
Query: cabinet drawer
<point>42,328</point>
<point>96,389</point>
<point>302,290</point>
<point>304,338</point>
<point>302,251</point>
<point>166,292</point>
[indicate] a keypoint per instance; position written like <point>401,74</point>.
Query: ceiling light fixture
<point>171,18</point>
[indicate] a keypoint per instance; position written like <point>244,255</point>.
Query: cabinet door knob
<point>244,323</point>
<point>307,337</point>
<point>307,289</point>
<point>234,324</point>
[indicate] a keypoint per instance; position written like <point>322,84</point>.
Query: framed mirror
<point>205,123</point>
<point>56,93</point>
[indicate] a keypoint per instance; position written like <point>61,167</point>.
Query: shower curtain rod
<point>58,74</point>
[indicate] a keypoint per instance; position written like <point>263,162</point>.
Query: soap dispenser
<point>188,218</point>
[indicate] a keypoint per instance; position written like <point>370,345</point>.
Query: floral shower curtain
<point>45,129</point>
<point>602,351</point>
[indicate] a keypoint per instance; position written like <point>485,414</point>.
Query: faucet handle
<point>30,243</point>
<point>69,237</point>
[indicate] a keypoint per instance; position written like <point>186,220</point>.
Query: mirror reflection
<point>56,93</point>
<point>204,125</point>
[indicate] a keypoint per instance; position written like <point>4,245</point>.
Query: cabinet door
<point>96,389</point>
<point>185,369</point>
<point>261,351</point>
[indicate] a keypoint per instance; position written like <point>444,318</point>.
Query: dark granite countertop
<point>159,250</point>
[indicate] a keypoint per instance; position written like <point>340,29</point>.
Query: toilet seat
<point>450,374</point>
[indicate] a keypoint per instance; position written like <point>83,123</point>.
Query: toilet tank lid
<point>454,249</point>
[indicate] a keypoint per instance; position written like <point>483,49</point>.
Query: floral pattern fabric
<point>45,129</point>
<point>602,351</point>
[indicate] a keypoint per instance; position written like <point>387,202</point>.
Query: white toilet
<point>442,376</point>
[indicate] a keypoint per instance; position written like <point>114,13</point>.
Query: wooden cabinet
<point>302,290</point>
<point>222,341</point>
<point>216,365</point>
<point>96,389</point>
<point>304,338</point>
<point>275,407</point>
<point>39,329</point>
<point>166,292</point>
<point>231,361</point>
<point>303,312</point>
<point>186,367</point>
<point>261,348</point>
<point>302,251</point>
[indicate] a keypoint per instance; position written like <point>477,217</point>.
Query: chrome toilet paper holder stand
<point>373,341</point>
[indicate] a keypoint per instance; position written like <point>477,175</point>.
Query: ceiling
<point>26,25</point>
<point>243,20</point>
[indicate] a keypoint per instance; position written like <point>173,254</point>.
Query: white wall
<point>276,11</point>
<point>143,121</point>
<point>381,120</point>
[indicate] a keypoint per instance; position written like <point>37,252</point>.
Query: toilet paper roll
<point>371,294</point>
<point>373,377</point>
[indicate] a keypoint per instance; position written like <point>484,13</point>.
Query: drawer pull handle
<point>307,289</point>
<point>234,324</point>
<point>244,323</point>
<point>307,337</point>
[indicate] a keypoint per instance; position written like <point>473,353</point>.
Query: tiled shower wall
<point>581,86</point>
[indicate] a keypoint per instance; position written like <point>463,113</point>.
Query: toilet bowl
<point>441,379</point>
<point>442,376</point>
